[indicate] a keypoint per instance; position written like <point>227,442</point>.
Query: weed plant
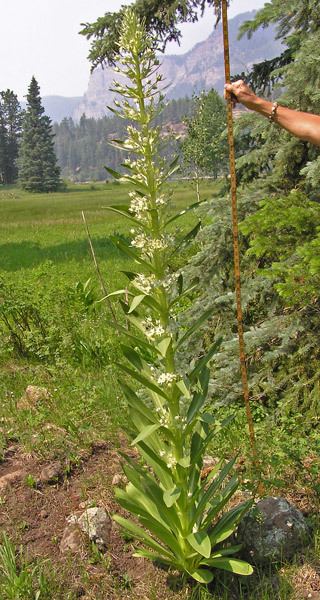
<point>170,426</point>
<point>18,579</point>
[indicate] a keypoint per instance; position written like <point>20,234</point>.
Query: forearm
<point>303,125</point>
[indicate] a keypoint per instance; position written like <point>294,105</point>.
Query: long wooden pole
<point>235,233</point>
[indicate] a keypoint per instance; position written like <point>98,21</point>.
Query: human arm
<point>303,125</point>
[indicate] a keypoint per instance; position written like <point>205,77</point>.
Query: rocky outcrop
<point>273,531</point>
<point>199,69</point>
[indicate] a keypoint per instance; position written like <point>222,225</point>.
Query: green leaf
<point>180,384</point>
<point>157,464</point>
<point>141,534</point>
<point>135,402</point>
<point>205,359</point>
<point>226,551</point>
<point>135,302</point>
<point>204,317</point>
<point>184,462</point>
<point>171,496</point>
<point>123,213</point>
<point>145,433</point>
<point>128,250</point>
<point>132,356</point>
<point>228,523</point>
<point>117,113</point>
<point>136,182</point>
<point>212,489</point>
<point>129,274</point>
<point>198,400</point>
<point>112,172</point>
<point>188,237</point>
<point>152,556</point>
<point>202,575</point>
<point>220,502</point>
<point>163,346</point>
<point>207,418</point>
<point>152,523</point>
<point>183,294</point>
<point>200,542</point>
<point>240,567</point>
<point>185,211</point>
<point>149,384</point>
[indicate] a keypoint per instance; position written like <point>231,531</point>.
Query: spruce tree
<point>38,169</point>
<point>10,132</point>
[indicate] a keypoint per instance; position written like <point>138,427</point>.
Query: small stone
<point>119,479</point>
<point>274,530</point>
<point>96,523</point>
<point>52,472</point>
<point>71,540</point>
<point>43,514</point>
<point>33,395</point>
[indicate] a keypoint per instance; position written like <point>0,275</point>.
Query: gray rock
<point>272,531</point>
<point>96,523</point>
<point>71,540</point>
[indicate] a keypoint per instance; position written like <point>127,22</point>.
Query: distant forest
<point>83,148</point>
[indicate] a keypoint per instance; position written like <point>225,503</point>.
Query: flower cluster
<point>145,283</point>
<point>139,205</point>
<point>153,329</point>
<point>148,245</point>
<point>166,378</point>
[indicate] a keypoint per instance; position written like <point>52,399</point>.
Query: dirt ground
<point>35,515</point>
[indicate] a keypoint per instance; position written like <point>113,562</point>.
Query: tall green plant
<point>171,429</point>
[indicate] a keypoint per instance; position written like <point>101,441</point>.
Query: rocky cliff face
<point>199,69</point>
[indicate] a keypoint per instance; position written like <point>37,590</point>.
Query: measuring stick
<point>235,233</point>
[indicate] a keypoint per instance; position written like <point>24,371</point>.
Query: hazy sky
<point>40,37</point>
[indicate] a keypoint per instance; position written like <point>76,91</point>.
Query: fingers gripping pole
<point>235,232</point>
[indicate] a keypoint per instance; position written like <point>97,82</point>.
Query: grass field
<point>54,335</point>
<point>44,254</point>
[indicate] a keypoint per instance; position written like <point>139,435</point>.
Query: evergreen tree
<point>280,236</point>
<point>10,131</point>
<point>161,17</point>
<point>38,170</point>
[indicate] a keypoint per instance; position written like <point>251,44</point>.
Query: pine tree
<point>10,132</point>
<point>38,170</point>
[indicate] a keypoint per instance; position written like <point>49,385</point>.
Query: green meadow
<point>53,332</point>
<point>57,332</point>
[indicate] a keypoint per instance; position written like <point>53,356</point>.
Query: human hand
<point>240,92</point>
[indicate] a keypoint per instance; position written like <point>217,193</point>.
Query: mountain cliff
<point>199,69</point>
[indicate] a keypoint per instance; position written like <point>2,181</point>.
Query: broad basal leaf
<point>200,542</point>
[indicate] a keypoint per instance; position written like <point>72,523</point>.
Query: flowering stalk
<point>178,508</point>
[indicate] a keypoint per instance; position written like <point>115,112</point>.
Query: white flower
<point>153,329</point>
<point>145,283</point>
<point>166,378</point>
<point>171,461</point>
<point>139,205</point>
<point>161,200</point>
